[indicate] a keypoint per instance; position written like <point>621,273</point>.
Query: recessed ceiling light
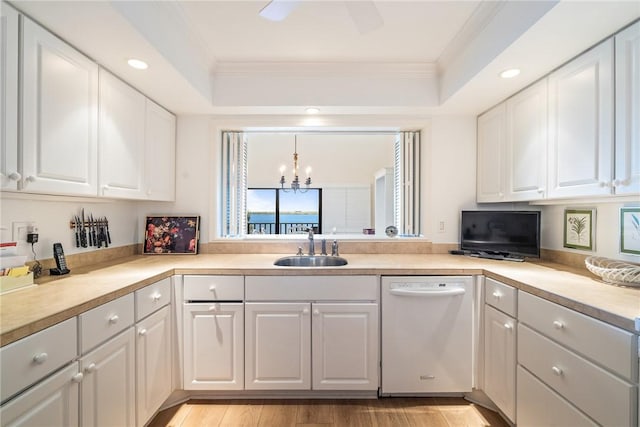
<point>138,64</point>
<point>312,110</point>
<point>511,72</point>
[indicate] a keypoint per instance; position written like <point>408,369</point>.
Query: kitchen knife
<point>93,230</point>
<point>83,232</point>
<point>91,239</point>
<point>106,222</point>
<point>77,230</point>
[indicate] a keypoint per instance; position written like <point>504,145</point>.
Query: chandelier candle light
<point>295,184</point>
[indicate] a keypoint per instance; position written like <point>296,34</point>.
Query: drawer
<point>601,395</point>
<point>101,323</point>
<point>26,361</point>
<point>501,296</point>
<point>152,298</point>
<point>313,288</point>
<point>613,348</point>
<point>213,288</point>
<point>538,405</point>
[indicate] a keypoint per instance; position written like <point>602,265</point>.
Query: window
<point>273,211</point>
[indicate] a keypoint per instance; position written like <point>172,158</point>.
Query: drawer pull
<point>213,307</point>
<point>558,324</point>
<point>114,319</point>
<point>156,297</point>
<point>212,288</point>
<point>77,378</point>
<point>497,294</point>
<point>316,312</point>
<point>91,368</point>
<point>305,311</point>
<point>557,371</point>
<point>142,332</point>
<point>40,358</point>
<point>508,326</point>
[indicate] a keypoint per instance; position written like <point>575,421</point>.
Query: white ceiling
<point>429,57</point>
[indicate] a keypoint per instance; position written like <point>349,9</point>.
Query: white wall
<point>607,223</point>
<point>449,175</point>
<point>52,216</point>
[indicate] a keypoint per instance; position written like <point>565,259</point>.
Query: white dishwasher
<point>427,334</point>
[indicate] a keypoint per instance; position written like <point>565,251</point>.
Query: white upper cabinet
<point>122,128</point>
<point>491,143</point>
<point>526,144</point>
<point>160,148</point>
<point>59,115</point>
<point>9,174</point>
<point>581,125</point>
<point>627,166</point>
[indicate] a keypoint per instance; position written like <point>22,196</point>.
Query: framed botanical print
<point>630,230</point>
<point>579,229</point>
<point>166,234</point>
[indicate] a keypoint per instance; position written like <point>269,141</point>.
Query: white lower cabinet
<point>153,363</point>
<point>345,346</point>
<point>288,344</point>
<point>213,346</point>
<point>538,405</point>
<point>108,387</point>
<point>52,402</point>
<point>500,360</point>
<point>278,345</point>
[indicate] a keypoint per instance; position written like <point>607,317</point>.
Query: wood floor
<point>387,412</point>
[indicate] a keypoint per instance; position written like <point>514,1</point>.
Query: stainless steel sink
<point>310,261</point>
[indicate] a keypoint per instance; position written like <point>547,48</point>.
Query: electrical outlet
<point>20,229</point>
<point>441,227</point>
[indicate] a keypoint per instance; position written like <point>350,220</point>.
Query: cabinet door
<point>9,175</point>
<point>526,144</point>
<point>491,147</point>
<point>153,363</point>
<point>108,387</point>
<point>59,115</point>
<point>277,343</point>
<point>581,125</point>
<point>122,123</point>
<point>213,346</point>
<point>500,360</point>
<point>52,402</point>
<point>160,163</point>
<point>345,346</point>
<point>627,167</point>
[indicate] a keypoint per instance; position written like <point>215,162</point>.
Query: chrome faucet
<point>334,248</point>
<point>312,249</point>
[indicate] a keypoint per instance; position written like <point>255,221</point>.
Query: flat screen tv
<point>501,234</point>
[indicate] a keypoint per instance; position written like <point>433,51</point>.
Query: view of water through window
<point>274,211</point>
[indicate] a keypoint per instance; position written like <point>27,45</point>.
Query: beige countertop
<point>30,310</point>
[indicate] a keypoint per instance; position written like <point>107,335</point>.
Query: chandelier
<point>295,183</point>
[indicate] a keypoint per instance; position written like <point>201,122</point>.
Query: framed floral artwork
<point>578,228</point>
<point>166,234</point>
<point>630,231</point>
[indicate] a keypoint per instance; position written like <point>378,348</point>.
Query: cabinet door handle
<point>77,378</point>
<point>540,190</point>
<point>29,179</point>
<point>156,297</point>
<point>557,371</point>
<point>305,311</point>
<point>213,307</point>
<point>114,319</point>
<point>497,294</point>
<point>212,288</point>
<point>40,358</point>
<point>90,369</point>
<point>316,312</point>
<point>508,326</point>
<point>142,332</point>
<point>558,324</point>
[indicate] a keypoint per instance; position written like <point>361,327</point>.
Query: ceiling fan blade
<point>365,15</point>
<point>278,10</point>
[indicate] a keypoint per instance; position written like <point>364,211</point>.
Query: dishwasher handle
<point>427,292</point>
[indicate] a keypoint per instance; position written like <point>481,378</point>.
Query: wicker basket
<point>612,271</point>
